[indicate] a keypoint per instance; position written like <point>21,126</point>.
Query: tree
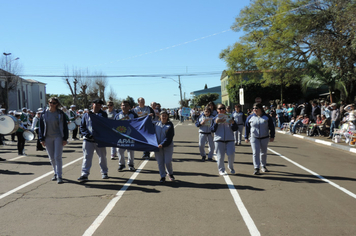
<point>282,36</point>
<point>9,69</point>
<point>204,99</point>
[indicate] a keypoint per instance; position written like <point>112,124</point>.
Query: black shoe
<point>162,180</point>
<point>210,159</point>
<point>2,159</point>
<point>132,168</point>
<point>54,178</point>
<point>171,177</point>
<point>264,169</point>
<point>256,172</point>
<point>14,141</point>
<point>203,158</point>
<point>104,176</point>
<point>145,156</point>
<point>121,168</point>
<point>83,178</point>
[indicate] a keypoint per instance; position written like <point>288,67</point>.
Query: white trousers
<point>130,157</point>
<point>88,151</point>
<point>202,140</point>
<point>222,148</point>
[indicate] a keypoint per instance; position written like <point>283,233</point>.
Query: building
<point>216,89</point>
<point>224,79</point>
<point>27,93</point>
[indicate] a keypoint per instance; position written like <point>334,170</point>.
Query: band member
<point>72,116</point>
<point>126,114</point>
<point>25,118</point>
<point>204,123</point>
<point>224,128</point>
<point>89,144</point>
<point>165,132</point>
<point>240,119</point>
<point>111,115</point>
<point>261,128</point>
<point>35,127</point>
<point>53,134</point>
<point>142,110</point>
<point>19,135</point>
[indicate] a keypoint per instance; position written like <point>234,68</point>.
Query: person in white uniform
<point>240,119</point>
<point>203,123</point>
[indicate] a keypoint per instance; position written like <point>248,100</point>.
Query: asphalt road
<point>310,190</point>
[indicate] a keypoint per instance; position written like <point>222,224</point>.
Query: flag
<point>136,134</point>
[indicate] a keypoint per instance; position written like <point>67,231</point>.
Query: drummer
<point>13,135</point>
<point>19,134</point>
<point>25,118</point>
<point>72,116</point>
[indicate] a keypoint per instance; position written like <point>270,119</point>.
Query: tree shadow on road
<point>10,172</point>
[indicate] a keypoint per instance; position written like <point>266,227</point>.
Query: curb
<point>331,144</point>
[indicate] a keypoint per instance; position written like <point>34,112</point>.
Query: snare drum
<point>78,121</point>
<point>28,135</point>
<point>71,126</point>
<point>8,124</point>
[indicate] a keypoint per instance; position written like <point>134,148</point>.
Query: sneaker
<point>54,178</point>
<point>113,157</point>
<point>105,176</point>
<point>145,156</point>
<point>171,177</point>
<point>162,180</point>
<point>232,171</point>
<point>83,178</point>
<point>24,154</point>
<point>132,168</point>
<point>2,159</point>
<point>60,180</point>
<point>121,167</point>
<point>236,144</point>
<point>210,159</point>
<point>203,158</point>
<point>264,169</point>
<point>222,172</point>
<point>256,172</point>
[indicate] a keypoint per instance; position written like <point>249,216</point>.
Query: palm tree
<point>319,75</point>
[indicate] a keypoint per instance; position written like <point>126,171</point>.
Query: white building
<point>29,93</point>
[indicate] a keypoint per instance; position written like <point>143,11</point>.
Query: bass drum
<point>29,135</point>
<point>8,124</point>
<point>78,121</point>
<point>71,126</point>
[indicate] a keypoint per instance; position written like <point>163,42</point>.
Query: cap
<point>98,101</point>
<point>72,106</point>
<point>18,113</point>
<point>333,104</point>
<point>24,108</point>
<point>80,110</point>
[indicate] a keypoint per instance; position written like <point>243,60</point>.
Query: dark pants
<point>75,132</point>
<point>20,143</point>
<point>38,145</point>
<point>334,125</point>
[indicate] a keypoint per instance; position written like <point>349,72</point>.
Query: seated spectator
<point>324,126</point>
<point>297,124</point>
<point>318,120</point>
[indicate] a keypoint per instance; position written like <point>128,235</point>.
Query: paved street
<point>310,190</point>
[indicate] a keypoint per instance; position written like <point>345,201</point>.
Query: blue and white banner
<point>136,134</point>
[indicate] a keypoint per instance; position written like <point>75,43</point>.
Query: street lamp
<point>180,87</point>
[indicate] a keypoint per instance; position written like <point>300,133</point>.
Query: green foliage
<point>283,36</point>
<point>204,99</point>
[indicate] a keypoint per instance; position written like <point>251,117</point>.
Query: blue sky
<point>166,38</point>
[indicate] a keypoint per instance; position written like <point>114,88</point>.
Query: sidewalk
<point>322,140</point>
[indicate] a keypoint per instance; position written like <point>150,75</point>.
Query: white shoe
<point>222,173</point>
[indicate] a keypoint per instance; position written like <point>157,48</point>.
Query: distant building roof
<point>216,89</point>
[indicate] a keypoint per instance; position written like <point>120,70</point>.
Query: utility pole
<point>180,90</point>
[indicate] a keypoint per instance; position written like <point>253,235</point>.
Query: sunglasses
<point>110,105</point>
<point>221,108</point>
<point>54,103</point>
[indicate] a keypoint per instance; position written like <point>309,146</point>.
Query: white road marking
<point>35,180</point>
<point>240,205</point>
<point>97,222</point>
<point>16,158</point>
<point>351,194</point>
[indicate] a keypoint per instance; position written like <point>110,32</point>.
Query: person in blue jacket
<point>164,132</point>
<point>89,144</point>
<point>53,134</point>
<point>204,123</point>
<point>126,114</point>
<point>224,128</point>
<point>259,126</point>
